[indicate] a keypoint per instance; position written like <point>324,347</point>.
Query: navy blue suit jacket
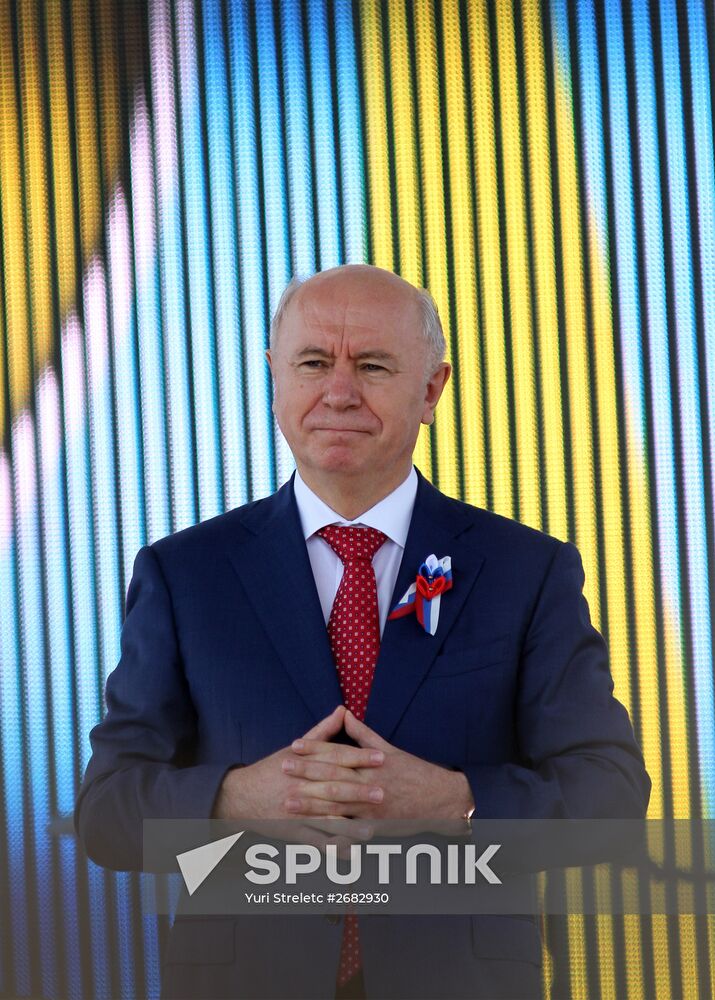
<point>225,659</point>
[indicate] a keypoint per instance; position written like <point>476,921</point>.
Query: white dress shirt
<point>392,516</point>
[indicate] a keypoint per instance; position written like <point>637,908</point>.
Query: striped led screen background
<point>546,169</point>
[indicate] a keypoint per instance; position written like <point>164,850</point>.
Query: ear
<point>434,389</point>
<point>269,359</point>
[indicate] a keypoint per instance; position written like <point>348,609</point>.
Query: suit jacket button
<point>333,918</point>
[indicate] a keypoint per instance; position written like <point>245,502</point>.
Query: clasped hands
<point>335,793</point>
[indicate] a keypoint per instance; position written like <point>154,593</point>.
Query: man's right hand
<point>257,793</point>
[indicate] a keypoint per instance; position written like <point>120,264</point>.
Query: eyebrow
<point>381,355</point>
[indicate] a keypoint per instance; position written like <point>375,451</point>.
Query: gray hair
<point>431,323</point>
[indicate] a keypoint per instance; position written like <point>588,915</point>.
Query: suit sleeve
<point>140,766</point>
<point>578,755</point>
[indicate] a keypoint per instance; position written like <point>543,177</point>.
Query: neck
<point>352,496</point>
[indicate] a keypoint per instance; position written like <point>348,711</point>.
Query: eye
<point>370,366</point>
<point>312,363</point>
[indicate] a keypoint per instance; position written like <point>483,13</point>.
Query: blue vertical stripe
<point>12,693</point>
<point>200,293</point>
<point>59,655</point>
<point>224,251</point>
<point>624,228</point>
<point>280,265</point>
<point>150,359</point>
<point>350,133</point>
<point>171,242</point>
<point>323,135</point>
<point>300,187</point>
<point>251,246</point>
<point>32,649</point>
<point>651,198</point>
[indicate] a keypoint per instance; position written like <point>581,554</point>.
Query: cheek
<point>400,415</point>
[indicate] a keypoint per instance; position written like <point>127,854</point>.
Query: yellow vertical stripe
<point>35,181</point>
<point>632,935</point>
<point>378,171</point>
<point>678,721</point>
<point>576,929</point>
<point>408,217</point>
<point>579,375</point>
<point>433,207</point>
<point>489,254</point>
<point>661,956</point>
<point>690,980</point>
<point>90,199</point>
<point>609,492</point>
<point>61,157</point>
<point>542,242</point>
<point>7,103</point>
<point>109,90</point>
<point>644,616</point>
<point>406,173</point>
<point>608,973</point>
<point>527,452</point>
<point>14,249</point>
<point>469,362</point>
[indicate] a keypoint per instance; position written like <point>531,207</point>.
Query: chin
<point>341,460</point>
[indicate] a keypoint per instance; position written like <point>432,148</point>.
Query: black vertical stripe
<point>531,236</point>
<point>560,281</point>
<point>504,260</point>
<point>310,126</point>
<point>442,54</point>
<point>242,389</point>
<point>255,73</point>
<point>210,251</point>
<point>172,14</point>
<point>469,72</point>
<point>339,179</point>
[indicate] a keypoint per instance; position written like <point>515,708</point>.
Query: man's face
<point>350,386</point>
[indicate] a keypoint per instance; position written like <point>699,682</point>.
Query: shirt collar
<point>391,515</point>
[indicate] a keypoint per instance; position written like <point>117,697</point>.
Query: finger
<point>322,841</point>
<point>339,791</point>
<point>333,793</point>
<point>329,726</point>
<point>305,806</point>
<point>362,734</point>
<point>344,826</point>
<point>330,755</point>
<point>317,838</point>
<point>312,770</point>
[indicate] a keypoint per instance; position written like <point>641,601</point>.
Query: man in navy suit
<point>506,711</point>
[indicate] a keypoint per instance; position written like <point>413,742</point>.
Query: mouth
<point>341,430</point>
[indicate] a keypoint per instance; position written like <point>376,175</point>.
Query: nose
<point>341,388</point>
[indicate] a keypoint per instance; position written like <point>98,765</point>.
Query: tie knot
<point>351,544</point>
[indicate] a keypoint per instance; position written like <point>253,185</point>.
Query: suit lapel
<point>273,565</point>
<point>407,651</point>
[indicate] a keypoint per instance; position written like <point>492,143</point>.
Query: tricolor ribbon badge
<point>434,577</point>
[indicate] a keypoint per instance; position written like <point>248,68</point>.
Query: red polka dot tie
<point>354,632</point>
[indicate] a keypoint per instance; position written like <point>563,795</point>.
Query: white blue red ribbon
<point>434,577</point>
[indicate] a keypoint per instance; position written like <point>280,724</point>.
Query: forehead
<point>363,312</point>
